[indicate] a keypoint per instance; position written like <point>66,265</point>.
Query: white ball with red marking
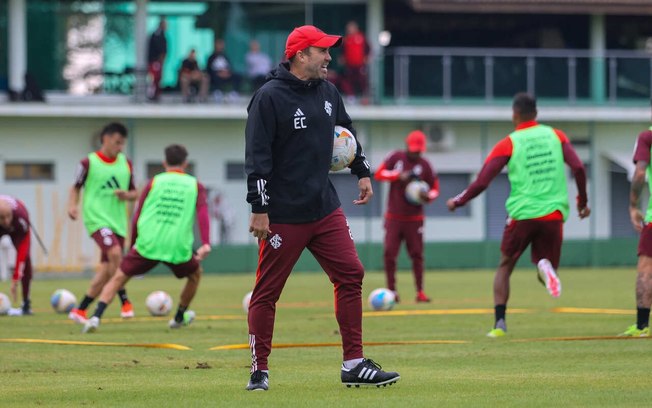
<point>344,148</point>
<point>245,302</point>
<point>413,191</point>
<point>159,303</point>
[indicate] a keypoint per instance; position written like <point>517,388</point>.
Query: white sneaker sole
<point>550,278</point>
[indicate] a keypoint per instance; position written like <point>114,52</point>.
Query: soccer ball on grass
<point>159,303</point>
<point>382,299</point>
<point>5,304</point>
<point>62,301</point>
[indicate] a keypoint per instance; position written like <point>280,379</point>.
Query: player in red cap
<point>289,146</point>
<point>404,219</point>
<point>537,205</point>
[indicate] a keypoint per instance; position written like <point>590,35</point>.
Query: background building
<point>450,68</point>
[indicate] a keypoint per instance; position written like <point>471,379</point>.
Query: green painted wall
<point>614,252</point>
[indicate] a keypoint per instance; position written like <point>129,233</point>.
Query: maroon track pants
<point>412,233</point>
<point>331,243</point>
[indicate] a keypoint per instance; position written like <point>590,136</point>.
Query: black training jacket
<point>289,145</point>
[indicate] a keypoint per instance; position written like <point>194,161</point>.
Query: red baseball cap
<point>309,36</point>
<point>416,141</point>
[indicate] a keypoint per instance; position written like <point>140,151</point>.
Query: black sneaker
<point>259,381</point>
<point>27,308</point>
<point>368,372</point>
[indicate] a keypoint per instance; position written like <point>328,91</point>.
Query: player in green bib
<point>108,184</point>
<point>537,205</point>
<point>642,225</point>
<point>162,231</point>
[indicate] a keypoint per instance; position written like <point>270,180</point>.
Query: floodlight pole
<point>140,35</point>
<point>17,34</point>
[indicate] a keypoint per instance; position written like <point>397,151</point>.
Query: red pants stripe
<point>331,243</point>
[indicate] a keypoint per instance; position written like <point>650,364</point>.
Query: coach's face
<point>315,62</point>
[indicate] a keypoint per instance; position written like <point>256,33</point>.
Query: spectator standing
<point>156,52</point>
<point>404,220</point>
<point>355,53</point>
<point>191,76</point>
<point>258,65</point>
<point>222,77</point>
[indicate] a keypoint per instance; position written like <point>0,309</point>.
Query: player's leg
<point>277,255</point>
<point>333,247</point>
<point>516,238</point>
<point>391,246</point>
<point>643,286</point>
<point>413,232</point>
<point>26,282</point>
<point>546,253</point>
<point>115,258</point>
<point>105,240</point>
<point>133,264</point>
<point>192,271</point>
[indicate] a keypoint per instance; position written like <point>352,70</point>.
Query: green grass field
<point>479,372</point>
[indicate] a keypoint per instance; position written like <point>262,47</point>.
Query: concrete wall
<point>212,140</point>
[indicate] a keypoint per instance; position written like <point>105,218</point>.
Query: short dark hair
<point>175,154</point>
<point>113,127</point>
<point>305,51</point>
<point>525,105</point>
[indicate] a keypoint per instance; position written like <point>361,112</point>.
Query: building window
<point>29,171</point>
<point>155,168</point>
<point>235,171</point>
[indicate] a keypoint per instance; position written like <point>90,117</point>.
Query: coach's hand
<point>14,290</point>
<point>259,226</point>
<point>202,251</point>
<point>636,216</point>
<point>366,192</point>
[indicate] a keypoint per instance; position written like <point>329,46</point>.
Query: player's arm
<point>204,222</point>
<point>139,207</point>
<point>131,194</point>
<point>22,252</point>
<point>493,165</point>
<point>360,167</point>
<point>75,190</point>
<point>641,159</point>
<point>579,173</point>
<point>259,135</point>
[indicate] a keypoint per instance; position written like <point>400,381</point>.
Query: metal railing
<point>570,76</point>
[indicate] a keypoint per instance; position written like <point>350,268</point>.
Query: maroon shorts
<point>136,264</point>
<point>105,239</point>
<point>645,241</point>
<point>545,236</point>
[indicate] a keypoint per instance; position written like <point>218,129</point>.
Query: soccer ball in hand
<point>382,299</point>
<point>413,191</point>
<point>245,302</point>
<point>62,301</point>
<point>159,303</point>
<point>5,304</point>
<point>344,148</point>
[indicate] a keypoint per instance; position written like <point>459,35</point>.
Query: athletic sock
<point>642,317</point>
<point>85,302</point>
<point>123,296</point>
<point>350,364</point>
<point>499,313</point>
<point>100,309</point>
<point>180,311</point>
